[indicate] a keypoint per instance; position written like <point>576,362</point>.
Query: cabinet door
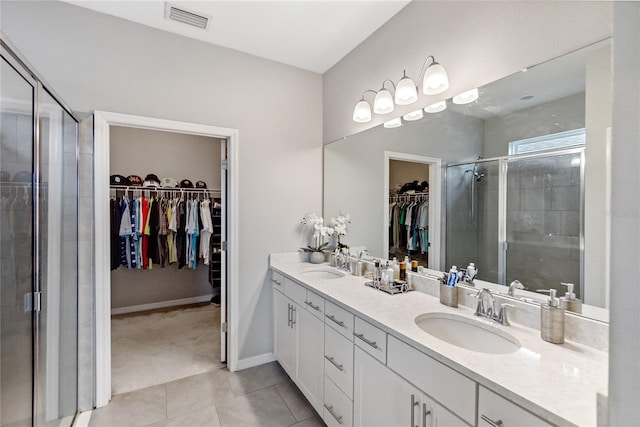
<point>310,332</point>
<point>381,397</point>
<point>284,345</point>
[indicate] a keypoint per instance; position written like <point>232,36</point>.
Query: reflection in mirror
<point>515,213</point>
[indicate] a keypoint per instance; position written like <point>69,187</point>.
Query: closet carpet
<point>160,346</point>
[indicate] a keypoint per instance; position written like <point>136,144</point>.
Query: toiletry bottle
<point>407,261</point>
<point>414,266</point>
<point>471,272</point>
<point>396,269</point>
<point>569,299</point>
<point>453,276</point>
<point>403,271</point>
<point>552,319</point>
<point>376,271</point>
<point>390,275</point>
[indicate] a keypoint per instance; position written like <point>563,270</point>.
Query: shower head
<point>479,176</point>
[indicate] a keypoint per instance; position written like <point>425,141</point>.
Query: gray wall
<point>143,151</point>
<point>552,117</point>
<point>99,62</point>
<point>401,172</point>
<point>477,43</point>
<point>624,335</point>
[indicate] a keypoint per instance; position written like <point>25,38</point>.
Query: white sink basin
<point>323,274</point>
<point>468,333</point>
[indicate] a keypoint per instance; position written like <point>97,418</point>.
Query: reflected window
<point>554,141</point>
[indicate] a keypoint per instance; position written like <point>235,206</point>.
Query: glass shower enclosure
<point>519,217</point>
<point>39,253</point>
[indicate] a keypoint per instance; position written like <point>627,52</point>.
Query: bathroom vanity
<point>360,358</point>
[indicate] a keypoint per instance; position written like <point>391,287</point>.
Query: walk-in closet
<point>409,211</point>
<point>167,268</point>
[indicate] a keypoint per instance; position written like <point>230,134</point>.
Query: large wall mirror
<point>518,180</point>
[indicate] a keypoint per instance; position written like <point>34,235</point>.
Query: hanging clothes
<point>206,232</point>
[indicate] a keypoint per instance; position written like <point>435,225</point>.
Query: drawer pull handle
<point>293,315</point>
<point>333,362</point>
<point>333,319</point>
<point>361,336</point>
<point>425,413</point>
<point>276,282</point>
<point>330,409</point>
<point>492,423</point>
<point>288,315</point>
<point>413,405</point>
<point>310,304</point>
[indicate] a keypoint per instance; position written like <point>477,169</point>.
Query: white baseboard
<point>162,304</point>
<point>82,419</point>
<point>250,362</point>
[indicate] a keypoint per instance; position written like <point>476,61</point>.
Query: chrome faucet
<point>489,310</point>
<point>513,286</point>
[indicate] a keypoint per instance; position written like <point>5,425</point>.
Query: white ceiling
<point>312,35</point>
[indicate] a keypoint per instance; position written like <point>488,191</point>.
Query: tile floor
<point>259,396</point>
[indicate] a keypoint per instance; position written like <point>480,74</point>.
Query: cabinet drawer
<point>495,408</point>
<point>338,408</point>
<point>339,319</point>
<point>315,304</point>
<point>432,377</point>
<point>296,292</point>
<point>370,339</point>
<point>338,360</point>
<point>277,281</point>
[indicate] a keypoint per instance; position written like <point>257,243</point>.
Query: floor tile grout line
<point>286,404</point>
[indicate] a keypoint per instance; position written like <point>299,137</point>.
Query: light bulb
<point>383,103</point>
<point>362,112</point>
<point>406,92</point>
<point>466,97</point>
<point>435,80</point>
<point>414,115</point>
<point>393,123</point>
<point>436,108</point>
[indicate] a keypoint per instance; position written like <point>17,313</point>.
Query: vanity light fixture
<point>393,123</point>
<point>362,110</point>
<point>406,92</point>
<point>434,81</point>
<point>436,108</point>
<point>414,115</point>
<point>435,78</point>
<point>466,97</point>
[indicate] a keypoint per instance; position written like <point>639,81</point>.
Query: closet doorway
<point>192,156</point>
<point>413,180</point>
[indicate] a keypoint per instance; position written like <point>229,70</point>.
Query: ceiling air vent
<point>179,14</point>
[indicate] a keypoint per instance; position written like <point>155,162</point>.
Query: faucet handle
<point>503,319</point>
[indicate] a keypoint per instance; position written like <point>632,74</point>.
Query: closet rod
<point>410,196</point>
<point>164,189</point>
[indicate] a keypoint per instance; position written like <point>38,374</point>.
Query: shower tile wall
<point>543,221</point>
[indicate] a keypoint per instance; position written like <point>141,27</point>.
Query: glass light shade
<point>383,103</point>
<point>414,115</point>
<point>466,97</point>
<point>362,112</point>
<point>436,108</point>
<point>393,123</point>
<point>435,80</point>
<point>406,92</point>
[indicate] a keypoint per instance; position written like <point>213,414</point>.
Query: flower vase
<point>316,257</point>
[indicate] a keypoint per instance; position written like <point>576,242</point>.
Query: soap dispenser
<point>569,299</point>
<point>552,319</point>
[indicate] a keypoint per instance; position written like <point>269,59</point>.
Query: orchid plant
<point>321,231</point>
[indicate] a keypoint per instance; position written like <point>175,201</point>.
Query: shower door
<point>38,300</point>
<point>544,220</point>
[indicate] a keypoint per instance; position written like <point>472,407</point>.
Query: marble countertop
<point>559,383</point>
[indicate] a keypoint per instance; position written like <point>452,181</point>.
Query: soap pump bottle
<point>569,299</point>
<point>396,269</point>
<point>552,319</point>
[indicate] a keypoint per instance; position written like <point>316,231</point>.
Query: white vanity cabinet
<point>299,339</point>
